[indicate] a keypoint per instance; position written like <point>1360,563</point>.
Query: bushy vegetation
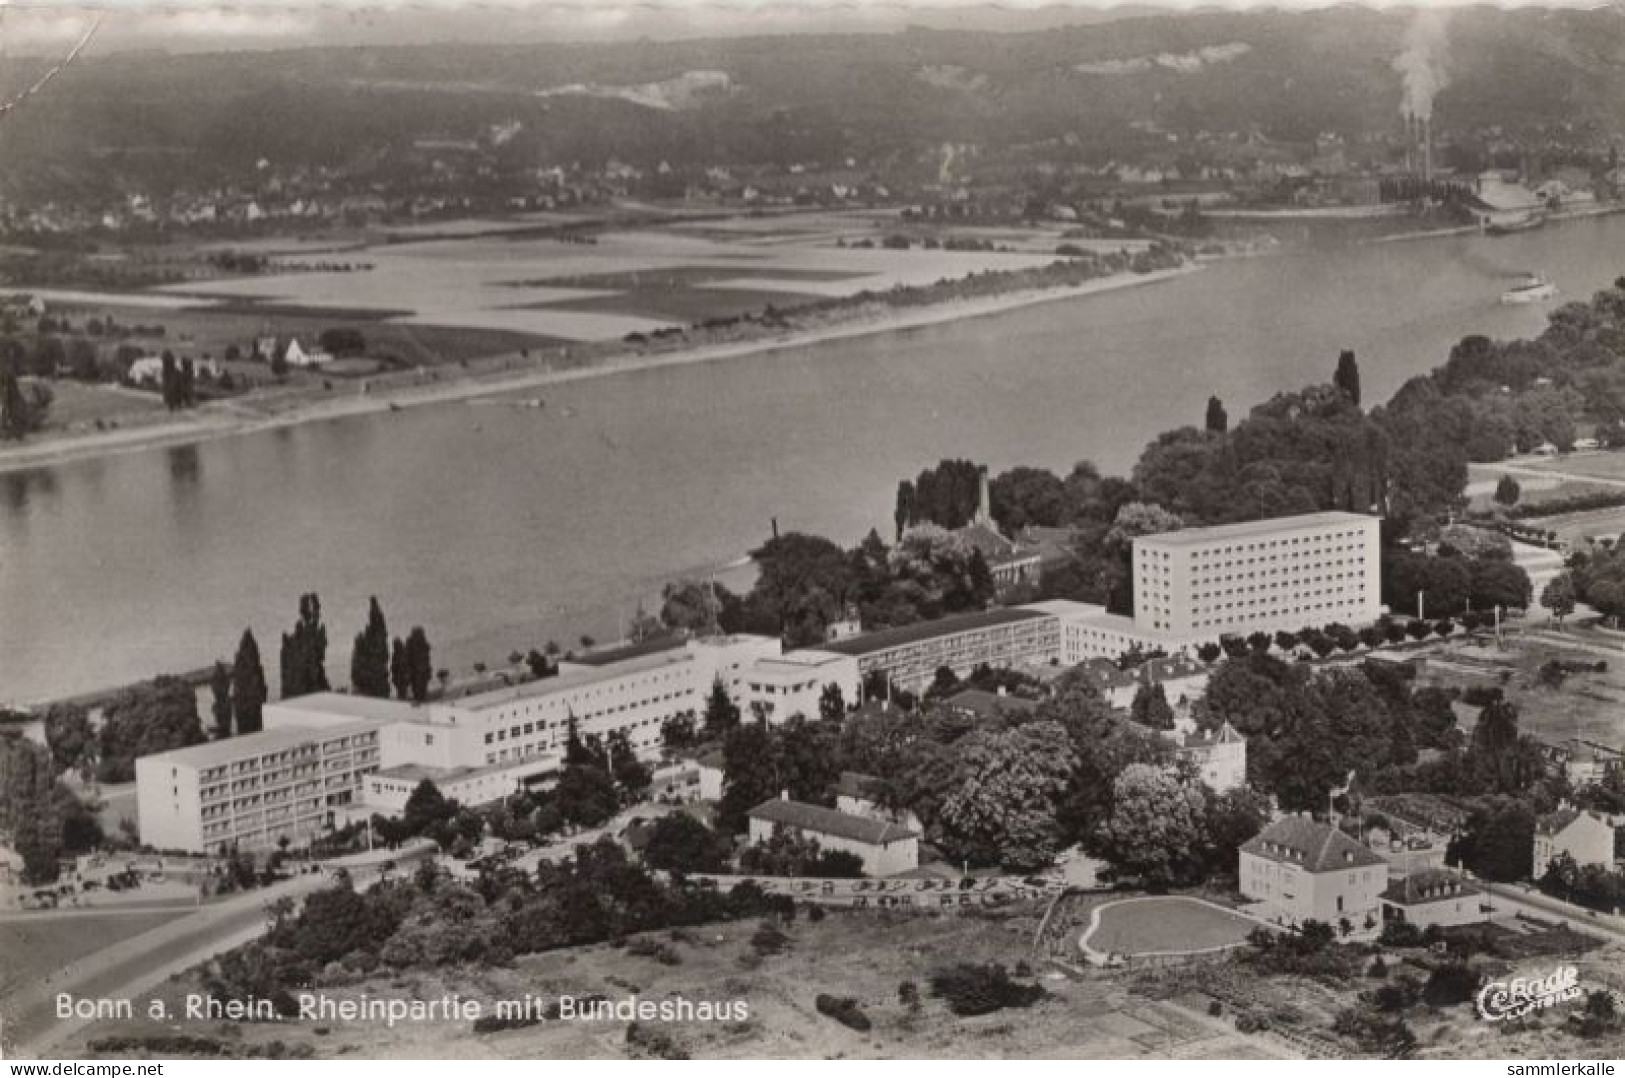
<point>982,989</point>
<point>428,920</point>
<point>845,1010</point>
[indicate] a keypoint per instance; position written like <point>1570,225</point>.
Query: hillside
<point>777,100</point>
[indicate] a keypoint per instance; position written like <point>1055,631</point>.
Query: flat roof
<point>635,650</point>
<point>229,749</point>
<point>869,643</point>
<point>571,679</point>
<point>1251,528</point>
<point>353,706</point>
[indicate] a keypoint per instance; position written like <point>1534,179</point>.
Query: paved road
<point>133,966</point>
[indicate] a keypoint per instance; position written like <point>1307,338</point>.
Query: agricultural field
<point>544,287</point>
<point>1587,705</point>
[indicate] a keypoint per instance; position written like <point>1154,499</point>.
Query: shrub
<point>845,1010</point>
<point>971,989</point>
<point>1375,1033</point>
<point>769,939</point>
<point>642,1042</point>
<point>494,1023</point>
<point>1449,985</point>
<point>664,953</point>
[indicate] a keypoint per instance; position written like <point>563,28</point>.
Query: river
<point>499,527</point>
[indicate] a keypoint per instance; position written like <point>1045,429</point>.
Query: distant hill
<point>156,119</point>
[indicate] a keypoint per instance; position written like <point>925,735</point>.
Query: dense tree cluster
<point>304,651</point>
<point>428,920</point>
<point>152,717</point>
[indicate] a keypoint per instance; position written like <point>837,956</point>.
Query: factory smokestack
<point>1427,149</point>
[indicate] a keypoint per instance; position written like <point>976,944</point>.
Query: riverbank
<point>245,416</point>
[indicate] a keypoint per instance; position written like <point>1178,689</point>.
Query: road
<point>137,964</point>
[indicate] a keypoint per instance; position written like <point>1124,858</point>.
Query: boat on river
<point>1532,288</point>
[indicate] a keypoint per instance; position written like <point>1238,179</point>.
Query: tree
<point>1151,708</point>
<point>400,670</point>
<point>831,703</point>
<point>631,774</point>
<point>678,842</point>
<point>1558,596</point>
<point>426,808</point>
<point>220,703</point>
<point>248,690</point>
<point>21,414</point>
<point>68,736</point>
<point>1157,828</point>
<point>419,665</point>
<point>1026,496</point>
<point>1347,376</point>
<point>342,341</point>
<point>1218,421</point>
<point>721,713</point>
<point>585,795</point>
<point>304,651</point>
<point>370,657</point>
<point>149,718</point>
<point>690,606</point>
<point>1498,842</point>
<point>1507,491</point>
<point>1000,802</point>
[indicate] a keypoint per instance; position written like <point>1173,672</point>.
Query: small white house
<point>296,355</point>
<point>1587,837</point>
<point>884,848</point>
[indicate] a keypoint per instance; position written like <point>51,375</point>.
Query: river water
<point>499,527</point>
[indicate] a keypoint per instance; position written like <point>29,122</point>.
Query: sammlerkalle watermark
<point>1499,1001</point>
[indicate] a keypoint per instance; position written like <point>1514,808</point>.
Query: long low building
<point>885,847</point>
<point>326,757</point>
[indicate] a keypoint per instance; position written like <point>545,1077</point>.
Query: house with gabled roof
<point>1585,836</point>
<point>1298,869</point>
<point>884,847</point>
<point>1433,897</point>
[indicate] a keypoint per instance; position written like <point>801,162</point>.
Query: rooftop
<point>622,652</point>
<point>869,643</point>
<point>987,705</point>
<point>1253,528</point>
<point>571,679</point>
<point>230,749</point>
<point>1316,847</point>
<point>352,706</point>
<point>824,821</point>
<point>1429,885</point>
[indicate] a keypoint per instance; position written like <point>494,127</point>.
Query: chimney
<point>983,501</point>
<point>784,795</point>
<point>1427,149</point>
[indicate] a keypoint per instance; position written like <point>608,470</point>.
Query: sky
<point>52,27</point>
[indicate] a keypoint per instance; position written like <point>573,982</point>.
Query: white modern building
<point>1587,837</point>
<point>252,791</point>
<point>326,756</point>
<point>1260,576</point>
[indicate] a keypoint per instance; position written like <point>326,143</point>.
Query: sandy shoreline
<point>220,421</point>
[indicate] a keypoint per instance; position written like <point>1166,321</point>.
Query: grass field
<point>1602,464</point>
<point>865,956</point>
<point>1166,924</point>
<point>1587,705</point>
<point>78,402</point>
<point>36,947</point>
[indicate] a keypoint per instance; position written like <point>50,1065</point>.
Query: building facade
<point>885,848</point>
<point>1433,898</point>
<point>253,790</point>
<point>1260,576</point>
<point>1585,836</point>
<point>1298,870</point>
<point>911,656</point>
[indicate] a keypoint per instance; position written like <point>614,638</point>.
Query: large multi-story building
<point>1262,575</point>
<point>324,756</point>
<point>910,656</point>
<point>252,790</point>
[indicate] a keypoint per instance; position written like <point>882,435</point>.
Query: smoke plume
<point>1422,65</point>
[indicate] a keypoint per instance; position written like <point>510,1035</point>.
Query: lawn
<point>34,947</point>
<point>1601,465</point>
<point>1166,924</point>
<point>78,402</point>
